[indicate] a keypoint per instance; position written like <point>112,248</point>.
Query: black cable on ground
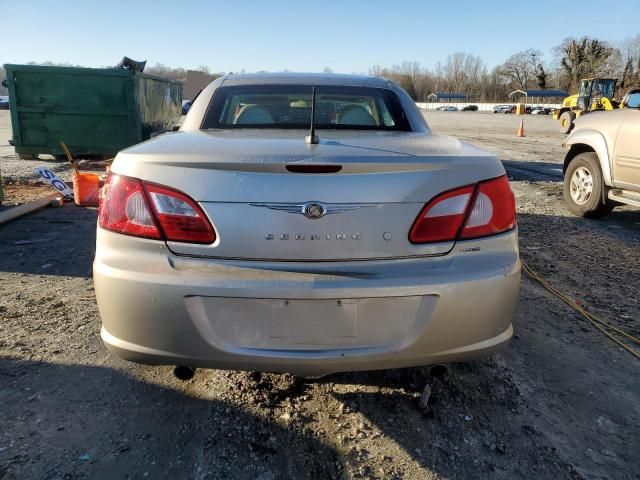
<point>604,327</point>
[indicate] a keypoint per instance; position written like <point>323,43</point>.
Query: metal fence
<point>482,107</point>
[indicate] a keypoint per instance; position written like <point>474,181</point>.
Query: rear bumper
<point>312,364</point>
<point>305,318</point>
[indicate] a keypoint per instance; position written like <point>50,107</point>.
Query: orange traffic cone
<point>521,129</point>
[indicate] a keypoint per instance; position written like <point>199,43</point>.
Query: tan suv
<point>602,168</point>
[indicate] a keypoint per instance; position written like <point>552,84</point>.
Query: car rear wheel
<point>584,189</point>
<point>567,121</point>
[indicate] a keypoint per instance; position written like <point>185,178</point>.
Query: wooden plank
<point>28,207</point>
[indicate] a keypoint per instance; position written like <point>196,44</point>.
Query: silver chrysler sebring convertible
<point>307,224</point>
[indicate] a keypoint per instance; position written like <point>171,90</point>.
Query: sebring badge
<point>313,211</point>
<point>313,236</point>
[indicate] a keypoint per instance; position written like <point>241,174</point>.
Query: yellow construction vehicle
<point>595,94</point>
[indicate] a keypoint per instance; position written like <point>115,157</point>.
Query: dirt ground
<point>561,402</point>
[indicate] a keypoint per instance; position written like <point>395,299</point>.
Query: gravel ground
<point>561,402</point>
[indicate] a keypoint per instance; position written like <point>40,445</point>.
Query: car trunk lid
<point>270,196</point>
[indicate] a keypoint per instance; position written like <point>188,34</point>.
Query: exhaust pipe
<point>438,370</point>
<point>184,373</point>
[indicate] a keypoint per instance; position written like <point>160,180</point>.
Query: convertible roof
<point>288,78</point>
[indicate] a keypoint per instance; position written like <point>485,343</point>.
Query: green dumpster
<point>95,111</point>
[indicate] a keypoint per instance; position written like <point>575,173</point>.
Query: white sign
<point>53,180</point>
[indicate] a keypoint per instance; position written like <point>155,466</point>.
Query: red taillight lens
<point>141,209</point>
<point>179,217</point>
<point>441,219</point>
<point>124,208</point>
<point>493,212</point>
<point>484,209</point>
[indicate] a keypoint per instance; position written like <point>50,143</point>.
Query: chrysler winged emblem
<point>313,210</point>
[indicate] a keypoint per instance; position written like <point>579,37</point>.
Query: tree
<point>494,87</point>
<point>423,85</point>
<point>630,77</point>
<point>476,71</point>
<point>454,72</point>
<point>408,75</point>
<point>160,70</point>
<point>520,68</point>
<point>178,74</point>
<point>376,71</point>
<point>406,83</point>
<point>627,73</point>
<point>586,57</point>
<point>327,70</point>
<point>461,73</point>
<point>542,76</point>
<point>412,69</point>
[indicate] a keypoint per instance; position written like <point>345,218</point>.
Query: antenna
<point>312,138</point>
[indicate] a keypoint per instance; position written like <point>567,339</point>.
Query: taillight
<point>441,219</point>
<point>468,212</point>
<point>493,212</point>
<point>133,207</point>
<point>124,208</point>
<point>179,217</point>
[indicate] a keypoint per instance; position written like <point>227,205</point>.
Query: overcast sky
<point>347,35</point>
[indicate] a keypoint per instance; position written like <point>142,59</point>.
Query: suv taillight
<point>474,211</point>
<point>134,207</point>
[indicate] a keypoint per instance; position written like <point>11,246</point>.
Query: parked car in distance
<point>186,105</point>
<point>470,108</point>
<point>447,108</point>
<point>503,109</point>
<point>539,111</point>
<point>255,238</point>
<point>4,102</point>
<point>602,167</point>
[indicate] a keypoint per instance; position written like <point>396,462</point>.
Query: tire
<point>567,120</point>
<point>581,199</point>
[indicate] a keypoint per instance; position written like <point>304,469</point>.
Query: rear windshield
<point>289,106</point>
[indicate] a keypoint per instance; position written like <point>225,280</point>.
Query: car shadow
<point>77,421</point>
<point>52,241</point>
<point>451,429</point>
<point>533,171</point>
